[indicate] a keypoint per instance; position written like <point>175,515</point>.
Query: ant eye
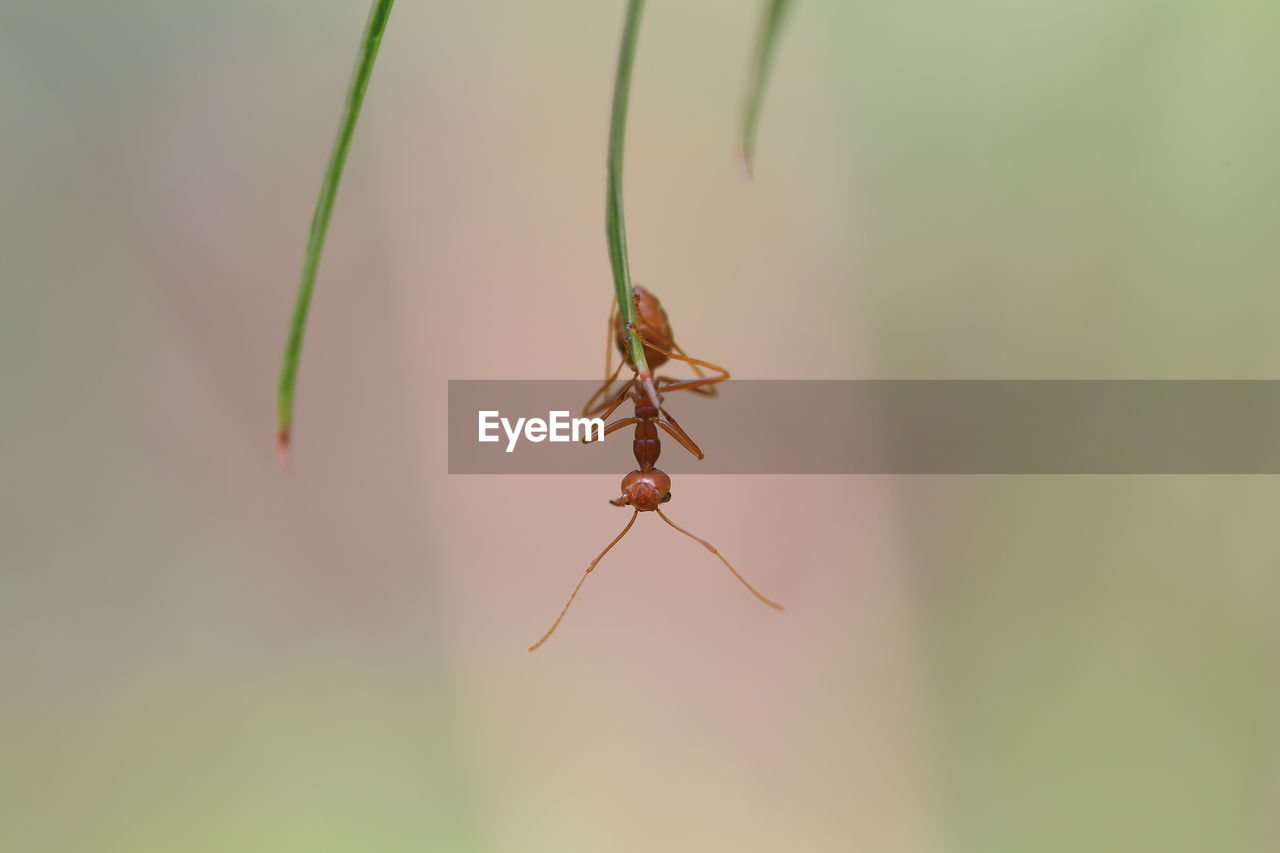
<point>667,498</point>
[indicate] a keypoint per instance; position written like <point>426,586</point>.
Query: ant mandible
<point>647,487</point>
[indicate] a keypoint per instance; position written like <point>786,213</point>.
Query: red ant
<point>647,487</point>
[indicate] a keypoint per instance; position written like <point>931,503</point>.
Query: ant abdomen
<point>653,325</point>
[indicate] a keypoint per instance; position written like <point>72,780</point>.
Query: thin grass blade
<point>771,20</point>
<point>614,220</point>
<point>369,45</point>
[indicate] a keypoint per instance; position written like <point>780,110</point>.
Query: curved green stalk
<point>614,223</point>
<point>369,45</point>
<point>762,61</point>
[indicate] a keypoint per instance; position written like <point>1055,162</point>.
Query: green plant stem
<point>761,64</point>
<point>614,221</point>
<point>369,45</point>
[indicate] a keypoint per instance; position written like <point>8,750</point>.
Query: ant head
<point>645,490</point>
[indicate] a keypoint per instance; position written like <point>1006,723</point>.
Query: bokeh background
<point>199,652</point>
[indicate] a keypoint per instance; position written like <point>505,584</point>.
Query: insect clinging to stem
<point>647,488</point>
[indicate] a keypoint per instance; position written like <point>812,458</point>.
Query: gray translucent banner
<point>895,427</point>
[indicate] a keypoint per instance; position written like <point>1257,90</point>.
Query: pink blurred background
<point>201,652</point>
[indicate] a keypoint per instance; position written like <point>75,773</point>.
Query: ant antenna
<point>775,605</point>
<point>589,570</point>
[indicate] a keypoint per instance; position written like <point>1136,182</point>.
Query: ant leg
<point>688,384</point>
<point>677,432</point>
<point>589,570</point>
<point>609,410</point>
<point>609,371</point>
<point>706,390</point>
<point>611,428</point>
<point>775,605</point>
<point>592,407</point>
<point>604,411</point>
<point>698,385</point>
<point>617,425</point>
<point>671,383</point>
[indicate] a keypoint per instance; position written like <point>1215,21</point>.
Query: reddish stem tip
<point>282,447</point>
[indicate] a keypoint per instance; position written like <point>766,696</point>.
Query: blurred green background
<point>199,652</point>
